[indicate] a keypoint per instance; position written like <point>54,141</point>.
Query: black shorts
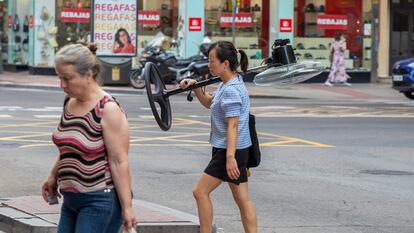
<point>217,165</point>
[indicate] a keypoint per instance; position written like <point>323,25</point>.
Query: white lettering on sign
<point>68,14</point>
<point>333,21</point>
<point>225,19</point>
<point>149,17</point>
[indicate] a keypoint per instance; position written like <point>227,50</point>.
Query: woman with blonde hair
<point>92,170</point>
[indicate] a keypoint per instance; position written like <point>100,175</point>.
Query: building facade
<point>378,32</point>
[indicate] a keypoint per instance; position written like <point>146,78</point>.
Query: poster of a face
<point>114,27</point>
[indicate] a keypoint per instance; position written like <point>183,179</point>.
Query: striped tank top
<point>83,164</point>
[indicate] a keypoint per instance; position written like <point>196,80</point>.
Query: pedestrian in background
<point>92,172</point>
<point>208,38</point>
<point>229,136</point>
<point>337,59</point>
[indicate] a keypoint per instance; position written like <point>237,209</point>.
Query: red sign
<point>285,25</point>
<point>75,15</point>
<point>241,19</point>
<point>148,17</point>
<point>194,24</point>
<point>31,21</point>
<point>9,21</point>
<point>338,22</point>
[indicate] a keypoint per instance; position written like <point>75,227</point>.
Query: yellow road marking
<point>36,145</point>
<point>179,137</point>
<point>25,125</point>
<point>167,137</point>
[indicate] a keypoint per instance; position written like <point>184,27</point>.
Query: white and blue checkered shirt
<point>230,100</point>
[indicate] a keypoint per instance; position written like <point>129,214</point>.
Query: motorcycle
<point>172,70</point>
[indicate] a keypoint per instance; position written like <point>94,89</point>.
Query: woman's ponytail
<point>244,61</point>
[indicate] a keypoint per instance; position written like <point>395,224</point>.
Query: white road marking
<point>47,116</point>
<point>23,109</point>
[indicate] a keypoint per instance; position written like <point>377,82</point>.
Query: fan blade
<point>288,74</point>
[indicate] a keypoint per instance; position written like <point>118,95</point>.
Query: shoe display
<point>300,46</point>
<point>308,56</point>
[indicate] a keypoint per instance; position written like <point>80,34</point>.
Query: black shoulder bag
<point>254,150</point>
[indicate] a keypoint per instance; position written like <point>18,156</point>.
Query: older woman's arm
<point>116,138</point>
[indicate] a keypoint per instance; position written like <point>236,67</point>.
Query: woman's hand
<point>232,168</point>
<point>185,83</point>
<point>49,188</point>
<point>129,218</point>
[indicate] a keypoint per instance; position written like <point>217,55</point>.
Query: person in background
<point>338,74</point>
<point>229,136</point>
<point>92,170</point>
<point>208,38</point>
<point>122,43</point>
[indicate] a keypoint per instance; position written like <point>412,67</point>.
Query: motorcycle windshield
<point>157,40</point>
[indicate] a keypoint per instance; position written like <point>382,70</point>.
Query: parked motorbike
<point>171,69</point>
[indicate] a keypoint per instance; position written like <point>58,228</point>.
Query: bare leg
<point>205,185</point>
<point>247,210</point>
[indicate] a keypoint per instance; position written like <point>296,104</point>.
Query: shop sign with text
<point>241,20</point>
<point>75,15</point>
<point>148,17</point>
<point>115,27</point>
<point>336,22</point>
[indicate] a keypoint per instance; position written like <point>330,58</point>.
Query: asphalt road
<point>328,166</point>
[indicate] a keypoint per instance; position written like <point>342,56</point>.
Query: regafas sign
<point>241,19</point>
<point>115,27</point>
<point>336,22</point>
<point>148,17</point>
<point>75,15</point>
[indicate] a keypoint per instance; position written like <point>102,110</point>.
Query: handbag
<point>16,23</point>
<point>331,56</point>
<point>41,33</point>
<point>254,150</point>
<point>44,15</point>
<point>26,24</point>
<point>53,42</point>
<point>51,29</point>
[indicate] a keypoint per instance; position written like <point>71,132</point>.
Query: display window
<point>4,40</point>
<point>158,17</point>
<point>317,22</point>
<point>15,36</point>
<point>248,25</point>
<point>73,21</point>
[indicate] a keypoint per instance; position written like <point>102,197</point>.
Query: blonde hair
<point>81,56</point>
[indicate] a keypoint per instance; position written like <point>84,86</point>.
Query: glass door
<point>402,35</point>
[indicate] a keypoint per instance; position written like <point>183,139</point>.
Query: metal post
<point>233,27</point>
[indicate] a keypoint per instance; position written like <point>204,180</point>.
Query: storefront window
<point>3,31</point>
<point>317,21</point>
<point>16,25</point>
<point>248,25</point>
<point>156,17</point>
<point>72,22</point>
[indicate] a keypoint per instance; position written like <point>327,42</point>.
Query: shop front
<point>251,31</point>
<point>316,23</point>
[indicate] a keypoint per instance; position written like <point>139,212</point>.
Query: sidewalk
<point>300,91</point>
<point>32,215</point>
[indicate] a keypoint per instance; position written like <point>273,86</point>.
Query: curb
<point>25,215</point>
<point>112,90</point>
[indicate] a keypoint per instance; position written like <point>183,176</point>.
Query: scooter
<point>172,69</point>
